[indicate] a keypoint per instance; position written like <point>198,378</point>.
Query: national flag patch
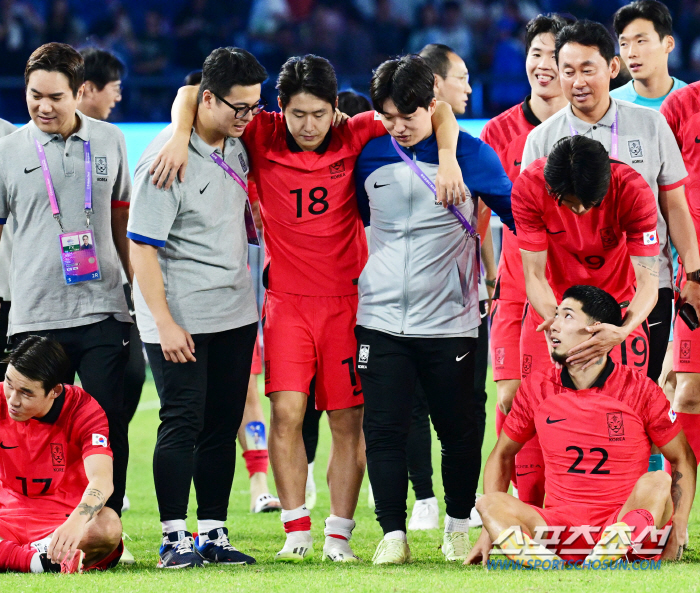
<point>672,415</point>
<point>651,238</point>
<point>99,440</point>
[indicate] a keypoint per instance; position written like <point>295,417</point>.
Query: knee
<point>104,533</point>
<point>488,502</point>
<point>286,416</point>
<point>346,424</point>
<point>656,483</point>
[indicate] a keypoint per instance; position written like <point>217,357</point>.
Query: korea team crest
<point>57,456</point>
<point>500,357</point>
<point>337,169</point>
<point>635,148</point>
<point>685,350</point>
<point>527,364</point>
<point>101,165</point>
<point>616,427</point>
<point>364,354</point>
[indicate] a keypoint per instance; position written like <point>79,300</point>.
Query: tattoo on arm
<point>650,264</point>
<point>676,491</point>
<point>90,510</point>
<point>96,493</point>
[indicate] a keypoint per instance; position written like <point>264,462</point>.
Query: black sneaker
<point>218,549</point>
<point>178,551</point>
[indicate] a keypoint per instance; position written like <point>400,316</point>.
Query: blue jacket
<point>422,272</point>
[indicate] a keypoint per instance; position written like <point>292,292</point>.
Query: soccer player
<point>682,111</point>
<point>644,31</point>
<point>55,468</point>
<point>583,218</point>
<point>595,426</point>
<point>71,178</point>
<point>418,314</point>
<point>316,249</point>
<point>637,136</point>
<point>506,134</point>
<point>196,309</point>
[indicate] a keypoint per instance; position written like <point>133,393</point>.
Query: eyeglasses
<point>240,112</point>
<point>463,79</point>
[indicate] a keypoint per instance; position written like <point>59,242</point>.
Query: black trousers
<point>201,408</point>
<point>135,372</point>
<point>418,454</point>
<point>4,341</point>
<point>390,367</point>
<point>659,321</point>
<point>98,353</point>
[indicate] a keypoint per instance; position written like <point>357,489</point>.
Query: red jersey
<point>595,442</point>
<point>41,460</point>
<point>682,111</point>
<point>593,248</point>
<point>314,236</point>
<point>506,134</point>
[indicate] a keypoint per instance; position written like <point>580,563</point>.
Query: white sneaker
<point>266,503</point>
<point>456,546</point>
<point>475,517</point>
<point>370,498</point>
<point>310,500</point>
<point>298,547</point>
<point>338,550</point>
<point>126,505</point>
<point>424,515</point>
<point>392,551</point>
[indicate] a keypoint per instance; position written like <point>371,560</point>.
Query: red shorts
<point>633,352</point>
<point>25,529</point>
<point>506,322</point>
<point>686,342</point>
<point>256,366</point>
<point>590,522</point>
<point>312,336</point>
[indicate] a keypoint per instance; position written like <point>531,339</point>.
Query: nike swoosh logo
<point>30,170</point>
<point>461,357</point>
<point>378,186</point>
<point>524,473</point>
<point>697,140</point>
<point>356,391</point>
<point>125,343</point>
<point>550,421</point>
<point>655,323</point>
<point>6,447</point>
<point>517,164</point>
<point>201,191</point>
<point>554,232</point>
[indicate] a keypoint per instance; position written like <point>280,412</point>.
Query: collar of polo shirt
<point>582,126</point>
<point>83,132</point>
<point>205,149</point>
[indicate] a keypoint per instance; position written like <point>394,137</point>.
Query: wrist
<point>693,276</point>
<point>490,282</point>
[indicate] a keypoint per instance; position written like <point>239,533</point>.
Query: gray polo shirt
<point>6,128</point>
<point>41,299</point>
<point>199,229</point>
<point>645,142</point>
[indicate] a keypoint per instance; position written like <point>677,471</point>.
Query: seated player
<point>55,468</point>
<point>595,425</point>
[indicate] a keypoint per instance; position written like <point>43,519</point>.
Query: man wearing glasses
<point>196,309</point>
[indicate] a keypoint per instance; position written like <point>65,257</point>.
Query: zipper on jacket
<point>407,257</point>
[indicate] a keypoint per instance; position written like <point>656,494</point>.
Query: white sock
<point>398,534</point>
<point>299,537</point>
<point>204,527</point>
<point>432,500</point>
<point>452,524</point>
<point>174,525</point>
<point>310,484</point>
<point>294,514</point>
<point>35,566</point>
<point>339,526</point>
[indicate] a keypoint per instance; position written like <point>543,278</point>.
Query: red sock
<point>529,469</point>
<point>256,461</point>
<point>691,428</point>
<point>15,557</point>
<point>640,520</point>
<point>300,524</point>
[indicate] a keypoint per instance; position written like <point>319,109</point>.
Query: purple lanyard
<point>613,144</point>
<point>49,182</point>
<point>250,228</point>
<point>425,179</point>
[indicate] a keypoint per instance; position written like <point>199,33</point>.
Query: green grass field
<point>262,536</point>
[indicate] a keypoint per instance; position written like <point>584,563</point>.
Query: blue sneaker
<point>178,551</point>
<point>218,549</point>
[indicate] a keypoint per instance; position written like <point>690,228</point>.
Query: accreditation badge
<point>79,257</point>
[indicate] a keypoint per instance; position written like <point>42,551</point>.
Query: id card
<point>79,257</point>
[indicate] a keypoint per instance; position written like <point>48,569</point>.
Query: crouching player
<point>595,425</point>
<point>55,468</point>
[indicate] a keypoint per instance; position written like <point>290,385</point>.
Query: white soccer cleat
<point>266,503</point>
<point>456,546</point>
<point>298,547</point>
<point>424,515</point>
<point>392,551</point>
<point>612,546</point>
<point>475,517</point>
<point>126,504</point>
<point>338,550</point>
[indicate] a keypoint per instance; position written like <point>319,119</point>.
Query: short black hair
<point>41,359</point>
<point>649,10</point>
<point>352,103</point>
<point>57,57</point>
<point>227,67</point>
<point>596,303</point>
<point>308,74</point>
<point>578,166</point>
<point>101,66</point>
<point>193,78</point>
<point>543,24</point>
<point>408,81</point>
<point>437,56</point>
<point>588,33</point>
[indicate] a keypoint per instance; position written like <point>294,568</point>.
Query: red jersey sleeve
<point>260,130</point>
<point>638,211</point>
<point>520,422</point>
<point>660,423</point>
<point>90,426</point>
<point>669,109</point>
<point>364,127</point>
<point>526,202</point>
